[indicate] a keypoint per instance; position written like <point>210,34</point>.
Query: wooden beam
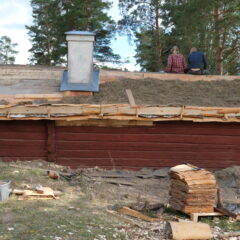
<point>76,93</point>
<point>130,98</point>
<point>51,141</point>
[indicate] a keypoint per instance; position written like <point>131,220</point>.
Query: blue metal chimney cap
<point>76,32</point>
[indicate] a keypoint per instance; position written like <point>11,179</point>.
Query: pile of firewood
<point>193,190</point>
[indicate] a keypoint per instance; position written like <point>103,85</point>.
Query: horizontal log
<point>22,126</point>
<point>23,152</point>
<point>23,135</point>
<point>176,156</point>
<point>186,128</point>
<point>151,146</point>
<point>164,138</point>
<point>21,143</point>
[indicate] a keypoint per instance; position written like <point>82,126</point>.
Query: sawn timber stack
<point>193,190</point>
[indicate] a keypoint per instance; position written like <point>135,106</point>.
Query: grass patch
<point>74,216</point>
<point>222,222</point>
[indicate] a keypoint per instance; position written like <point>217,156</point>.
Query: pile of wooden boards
<point>193,190</point>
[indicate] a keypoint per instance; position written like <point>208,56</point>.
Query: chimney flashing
<point>93,86</point>
<point>75,32</point>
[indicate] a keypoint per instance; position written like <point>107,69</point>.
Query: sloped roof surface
<point>147,88</point>
<point>171,92</point>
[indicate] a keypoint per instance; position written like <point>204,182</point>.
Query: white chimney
<point>80,56</point>
<point>80,75</point>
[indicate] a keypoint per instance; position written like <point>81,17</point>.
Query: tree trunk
<point>158,37</point>
<point>218,48</point>
<point>49,62</point>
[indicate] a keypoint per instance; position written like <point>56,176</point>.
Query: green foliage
<point>146,55</point>
<point>137,14</point>
<point>47,47</point>
<point>142,20</point>
<point>212,27</point>
<point>7,52</point>
<point>52,18</point>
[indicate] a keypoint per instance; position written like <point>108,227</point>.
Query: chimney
<point>80,75</point>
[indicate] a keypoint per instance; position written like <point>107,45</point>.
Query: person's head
<point>193,49</point>
<point>175,50</point>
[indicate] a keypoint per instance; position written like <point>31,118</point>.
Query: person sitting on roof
<point>176,62</point>
<point>197,62</point>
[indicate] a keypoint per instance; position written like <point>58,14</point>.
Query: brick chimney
<point>80,75</point>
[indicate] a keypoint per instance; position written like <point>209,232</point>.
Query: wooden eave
<point>72,112</point>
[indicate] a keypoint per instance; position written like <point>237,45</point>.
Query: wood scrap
<point>193,190</point>
<point>130,212</point>
<point>146,206</point>
<point>17,191</point>
<point>47,194</point>
<point>190,231</point>
<point>21,191</point>
<point>117,182</point>
<point>130,98</point>
<point>122,218</point>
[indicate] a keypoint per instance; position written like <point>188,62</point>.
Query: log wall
<point>23,140</point>
<point>208,145</point>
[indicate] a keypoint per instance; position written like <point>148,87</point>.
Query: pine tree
<point>52,18</point>
<point>139,15</point>
<point>91,16</point>
<point>7,52</point>
<point>146,55</point>
<point>46,47</point>
<point>210,25</point>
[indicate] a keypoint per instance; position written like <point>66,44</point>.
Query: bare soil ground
<point>169,92</point>
<point>81,212</point>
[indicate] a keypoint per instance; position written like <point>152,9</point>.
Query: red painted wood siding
<point>209,145</point>
<point>22,140</point>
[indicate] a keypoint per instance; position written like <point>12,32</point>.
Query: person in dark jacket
<point>197,62</point>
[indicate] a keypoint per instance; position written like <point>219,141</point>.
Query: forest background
<point>153,26</point>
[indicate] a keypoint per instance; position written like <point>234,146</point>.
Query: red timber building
<point>124,125</point>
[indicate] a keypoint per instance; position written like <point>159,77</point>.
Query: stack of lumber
<point>193,190</point>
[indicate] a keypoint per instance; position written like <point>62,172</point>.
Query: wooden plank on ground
<point>136,214</point>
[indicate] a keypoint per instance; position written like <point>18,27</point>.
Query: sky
<point>16,14</point>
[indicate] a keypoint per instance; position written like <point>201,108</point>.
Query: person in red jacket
<point>176,62</point>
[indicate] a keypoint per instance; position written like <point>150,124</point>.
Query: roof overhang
<point>71,112</point>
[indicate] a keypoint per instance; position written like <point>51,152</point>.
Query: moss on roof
<point>219,93</point>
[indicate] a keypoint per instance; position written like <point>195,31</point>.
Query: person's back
<point>176,62</point>
<point>197,62</point>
